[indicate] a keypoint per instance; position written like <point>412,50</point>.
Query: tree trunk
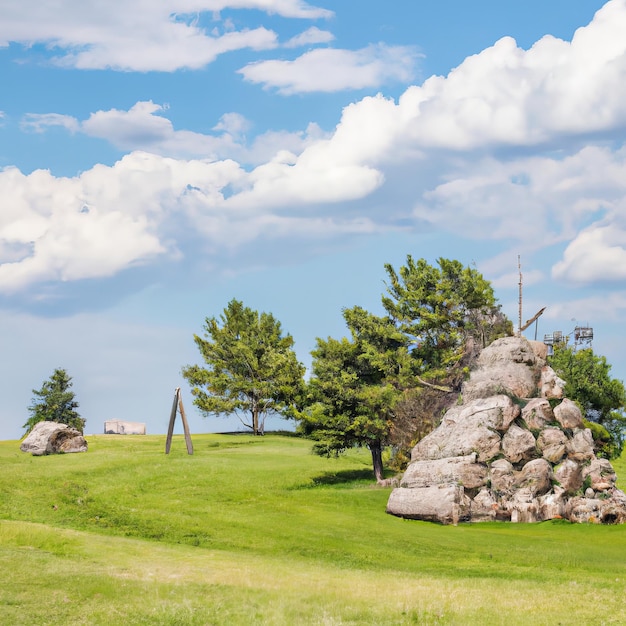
<point>377,459</point>
<point>255,420</point>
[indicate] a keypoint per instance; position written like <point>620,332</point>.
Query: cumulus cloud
<point>137,35</point>
<point>597,254</point>
<point>329,69</point>
<point>111,218</point>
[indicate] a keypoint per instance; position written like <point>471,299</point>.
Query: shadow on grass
<point>343,477</point>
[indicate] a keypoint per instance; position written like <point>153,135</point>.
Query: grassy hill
<point>260,531</point>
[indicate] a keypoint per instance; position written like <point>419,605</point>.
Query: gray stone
<point>459,469</point>
<point>484,506</point>
<point>501,476</point>
<point>518,444</point>
<point>550,384</point>
<point>569,475</point>
<point>53,438</point>
<point>535,476</point>
<point>446,504</point>
<point>552,442</point>
<point>537,413</point>
<point>568,415</point>
<point>580,446</point>
<point>601,474</point>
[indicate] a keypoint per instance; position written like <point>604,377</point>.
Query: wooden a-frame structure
<point>177,405</point>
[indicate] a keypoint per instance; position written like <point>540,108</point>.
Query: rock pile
<point>514,449</point>
<point>53,438</point>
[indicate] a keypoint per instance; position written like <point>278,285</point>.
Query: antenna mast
<point>519,268</point>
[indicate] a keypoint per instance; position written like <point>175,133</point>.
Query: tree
<point>351,392</point>
<point>601,398</point>
<point>362,390</point>
<point>55,402</point>
<point>252,368</point>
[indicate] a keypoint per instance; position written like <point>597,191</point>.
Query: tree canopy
<point>601,398</point>
<point>252,367</point>
<point>55,402</point>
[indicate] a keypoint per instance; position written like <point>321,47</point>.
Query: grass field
<point>260,531</point>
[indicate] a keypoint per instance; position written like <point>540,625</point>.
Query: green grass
<point>260,531</point>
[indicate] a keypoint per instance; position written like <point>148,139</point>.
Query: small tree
<point>252,368</point>
<point>55,402</point>
<point>602,398</point>
<point>351,393</point>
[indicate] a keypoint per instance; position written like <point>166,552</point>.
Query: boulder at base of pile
<point>53,438</point>
<point>513,450</point>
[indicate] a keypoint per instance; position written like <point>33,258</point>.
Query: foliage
<point>350,398</point>
<point>252,368</point>
<point>55,402</point>
<point>257,530</point>
<point>439,309</point>
<point>602,398</point>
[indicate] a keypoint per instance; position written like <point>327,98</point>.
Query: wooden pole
<point>170,428</point>
<point>185,425</point>
<point>178,405</point>
<point>519,268</point>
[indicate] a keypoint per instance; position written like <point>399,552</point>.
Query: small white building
<point>121,427</point>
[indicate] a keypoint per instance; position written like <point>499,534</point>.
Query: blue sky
<point>159,159</point>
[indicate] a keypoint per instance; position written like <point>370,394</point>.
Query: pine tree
<point>55,402</point>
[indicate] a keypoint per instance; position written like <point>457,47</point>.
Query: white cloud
<point>329,69</point>
<point>111,218</point>
<point>597,254</point>
<point>139,35</point>
<point>38,122</point>
<point>309,37</point>
<point>144,127</point>
<point>506,95</point>
<point>285,8</point>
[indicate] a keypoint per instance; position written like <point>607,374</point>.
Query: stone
<point>552,505</point>
<point>468,429</point>
<point>53,438</point>
<point>535,476</point>
<point>569,475</point>
<point>459,469</point>
<point>518,444</point>
<point>501,476</point>
<point>484,506</point>
<point>537,414</point>
<point>601,475</point>
<point>580,446</point>
<point>568,415</point>
<point>508,366</point>
<point>550,384</point>
<point>552,443</point>
<point>446,504</point>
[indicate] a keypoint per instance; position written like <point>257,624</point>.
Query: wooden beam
<point>185,425</point>
<point>170,428</point>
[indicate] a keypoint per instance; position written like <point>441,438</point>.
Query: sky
<point>158,159</point>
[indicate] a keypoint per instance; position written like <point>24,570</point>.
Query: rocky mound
<point>514,449</point>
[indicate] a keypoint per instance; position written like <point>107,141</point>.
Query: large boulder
<point>505,453</point>
<point>53,438</point>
